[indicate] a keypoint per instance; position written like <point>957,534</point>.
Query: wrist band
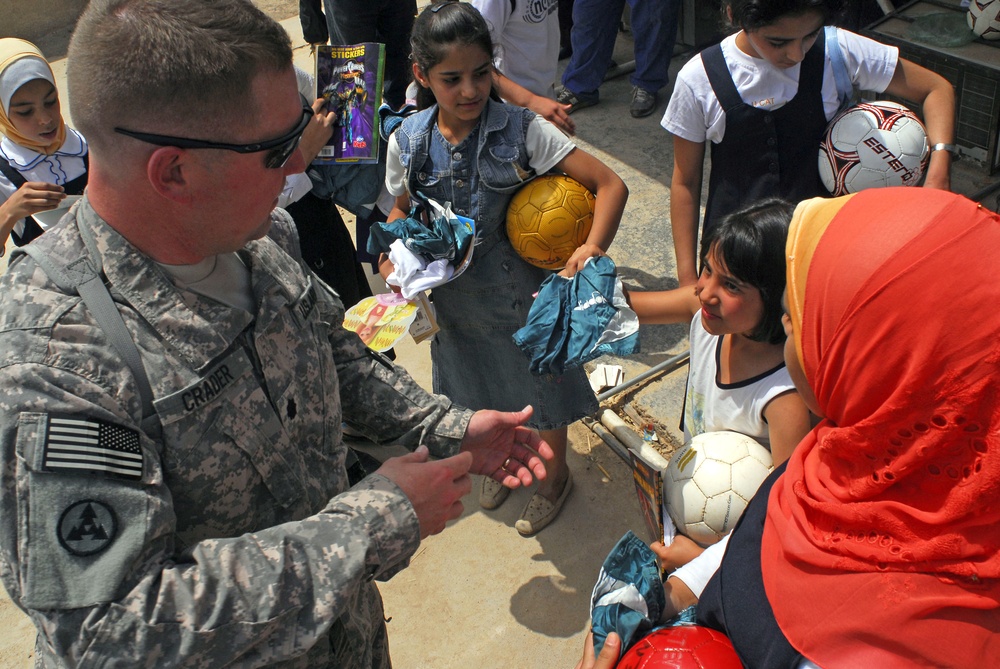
<point>941,146</point>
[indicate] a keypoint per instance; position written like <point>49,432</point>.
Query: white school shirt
<point>66,164</point>
<point>710,406</point>
<point>527,40</point>
<point>546,145</point>
<point>695,114</point>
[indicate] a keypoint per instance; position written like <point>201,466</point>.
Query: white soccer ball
<point>710,481</point>
<point>984,18</point>
<point>872,145</point>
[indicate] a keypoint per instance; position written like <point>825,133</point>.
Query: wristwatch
<point>941,146</point>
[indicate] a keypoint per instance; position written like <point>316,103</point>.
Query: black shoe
<point>643,102</point>
<point>575,102</point>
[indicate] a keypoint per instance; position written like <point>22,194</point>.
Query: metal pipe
<point>616,446</point>
<point>668,365</point>
<point>619,70</point>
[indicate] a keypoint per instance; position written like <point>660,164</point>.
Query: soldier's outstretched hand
<point>502,448</point>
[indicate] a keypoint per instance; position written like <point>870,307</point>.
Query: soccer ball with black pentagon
<point>984,18</point>
<point>872,145</point>
<point>548,219</point>
<point>710,481</point>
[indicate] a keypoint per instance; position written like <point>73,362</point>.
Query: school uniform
<point>765,123</point>
<point>67,167</point>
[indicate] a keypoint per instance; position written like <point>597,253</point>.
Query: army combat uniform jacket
<point>226,533</point>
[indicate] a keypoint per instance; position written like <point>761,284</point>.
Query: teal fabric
<point>568,317</point>
<point>628,598</point>
<point>444,237</point>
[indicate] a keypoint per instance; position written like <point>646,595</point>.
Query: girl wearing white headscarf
<point>41,159</point>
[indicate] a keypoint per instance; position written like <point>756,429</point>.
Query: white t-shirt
<point>546,145</point>
<point>527,40</point>
<point>66,164</point>
<point>695,114</point>
<point>710,406</point>
<point>696,573</point>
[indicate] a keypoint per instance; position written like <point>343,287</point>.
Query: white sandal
<point>493,494</point>
<point>540,511</point>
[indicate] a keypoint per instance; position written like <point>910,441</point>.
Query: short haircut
<point>755,14</point>
<point>169,65</point>
<point>751,243</point>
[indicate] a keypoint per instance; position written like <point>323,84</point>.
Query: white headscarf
<point>21,62</point>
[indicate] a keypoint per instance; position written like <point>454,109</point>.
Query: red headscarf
<point>882,541</point>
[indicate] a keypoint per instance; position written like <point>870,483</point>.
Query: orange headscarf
<point>11,51</point>
<point>882,541</point>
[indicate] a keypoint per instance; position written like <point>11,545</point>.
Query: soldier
<point>174,380</point>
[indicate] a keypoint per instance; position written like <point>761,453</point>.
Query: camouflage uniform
<point>230,538</point>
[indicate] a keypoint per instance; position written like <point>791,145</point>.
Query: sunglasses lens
<point>278,156</point>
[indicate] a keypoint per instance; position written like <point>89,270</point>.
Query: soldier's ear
<point>168,170</point>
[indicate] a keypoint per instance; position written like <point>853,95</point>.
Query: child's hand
<point>579,257</point>
<point>318,132</point>
<point>681,551</point>
<point>555,113</point>
<point>33,197</point>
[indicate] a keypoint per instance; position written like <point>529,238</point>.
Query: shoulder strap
<point>720,79</point>
<point>845,88</point>
<point>79,276</point>
<point>13,176</point>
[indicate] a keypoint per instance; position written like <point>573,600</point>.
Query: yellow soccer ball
<point>549,219</point>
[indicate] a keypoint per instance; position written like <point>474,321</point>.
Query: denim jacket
<point>482,184</point>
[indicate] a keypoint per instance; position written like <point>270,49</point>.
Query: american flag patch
<point>91,446</point>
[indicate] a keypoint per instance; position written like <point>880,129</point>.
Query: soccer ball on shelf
<point>871,145</point>
<point>682,647</point>
<point>549,218</point>
<point>984,18</point>
<point>710,481</point>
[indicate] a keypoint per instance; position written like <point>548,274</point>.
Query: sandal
<point>540,511</point>
<point>493,494</point>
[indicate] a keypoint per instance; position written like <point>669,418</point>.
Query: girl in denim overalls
<point>475,152</point>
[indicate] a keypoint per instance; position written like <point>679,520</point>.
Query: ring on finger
<point>505,464</point>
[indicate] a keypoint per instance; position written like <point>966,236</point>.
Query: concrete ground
<point>479,595</point>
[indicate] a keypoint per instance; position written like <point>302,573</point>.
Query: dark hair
<point>751,244</point>
<point>755,14</point>
<point>439,27</point>
<point>168,65</point>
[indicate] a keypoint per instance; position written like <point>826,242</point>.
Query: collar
<point>197,328</point>
<point>22,158</point>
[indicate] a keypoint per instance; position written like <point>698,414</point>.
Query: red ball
<point>683,647</point>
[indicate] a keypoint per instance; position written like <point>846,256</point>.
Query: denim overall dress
<point>475,361</point>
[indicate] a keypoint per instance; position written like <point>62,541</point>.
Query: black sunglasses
<point>279,149</point>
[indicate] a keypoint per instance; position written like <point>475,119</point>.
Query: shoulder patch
<point>87,527</point>
<point>80,445</point>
